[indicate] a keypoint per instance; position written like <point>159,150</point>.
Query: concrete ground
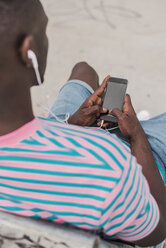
<point>124,38</point>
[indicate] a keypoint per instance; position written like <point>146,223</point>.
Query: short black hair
<point>19,18</point>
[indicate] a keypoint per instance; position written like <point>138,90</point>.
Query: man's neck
<point>15,109</point>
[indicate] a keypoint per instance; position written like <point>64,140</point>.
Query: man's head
<point>22,27</point>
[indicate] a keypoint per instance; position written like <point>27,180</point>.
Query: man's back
<point>75,175</point>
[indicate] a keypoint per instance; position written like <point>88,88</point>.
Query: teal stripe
<point>83,131</point>
<point>31,141</point>
<point>129,227</point>
<point>74,142</point>
<point>66,130</point>
<point>110,143</point>
<point>54,141</point>
<point>122,144</point>
<point>101,159</point>
<point>67,194</point>
<point>125,220</point>
<point>127,194</point>
<point>28,199</point>
<point>57,173</point>
<point>155,222</point>
<point>51,132</point>
<point>120,193</point>
<point>56,214</point>
<point>147,224</point>
<point>109,154</point>
<point>8,198</point>
<point>59,214</point>
<point>66,151</point>
<point>162,172</point>
<point>51,161</point>
<point>116,147</point>
<point>84,223</point>
<point>90,186</point>
<point>122,213</point>
<point>13,209</point>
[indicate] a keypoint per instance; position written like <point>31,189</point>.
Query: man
<point>62,172</point>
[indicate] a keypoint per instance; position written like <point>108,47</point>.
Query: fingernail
<point>105,110</point>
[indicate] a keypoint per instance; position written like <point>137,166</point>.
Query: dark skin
<point>140,148</point>
<point>91,109</point>
<point>17,76</point>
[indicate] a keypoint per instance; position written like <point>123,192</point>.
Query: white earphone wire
<point>33,58</point>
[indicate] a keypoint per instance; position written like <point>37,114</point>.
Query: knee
<point>82,66</point>
<point>84,72</point>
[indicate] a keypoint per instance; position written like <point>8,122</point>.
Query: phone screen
<point>114,96</point>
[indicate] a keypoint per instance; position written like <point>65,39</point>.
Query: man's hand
<point>140,148</point>
<point>128,123</point>
<point>91,109</point>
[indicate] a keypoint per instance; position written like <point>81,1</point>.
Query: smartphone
<point>114,97</point>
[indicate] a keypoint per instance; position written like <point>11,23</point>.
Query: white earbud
<point>33,58</point>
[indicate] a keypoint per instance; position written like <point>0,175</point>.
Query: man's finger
<point>96,109</point>
<point>128,107</point>
<point>102,87</point>
<point>106,124</point>
<point>117,113</point>
<point>99,101</point>
<point>128,99</point>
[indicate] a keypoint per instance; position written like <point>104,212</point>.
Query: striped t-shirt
<point>80,176</point>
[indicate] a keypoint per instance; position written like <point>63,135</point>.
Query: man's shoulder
<point>97,140</point>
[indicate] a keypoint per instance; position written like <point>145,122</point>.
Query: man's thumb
<point>117,113</point>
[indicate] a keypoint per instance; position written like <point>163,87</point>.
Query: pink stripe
<point>78,190</point>
<point>51,207</point>
<point>52,178</point>
<point>60,209</point>
<point>114,194</point>
<point>126,200</point>
<point>90,133</point>
<point>126,213</point>
<point>60,168</point>
<point>9,203</point>
<point>44,215</point>
<point>66,209</point>
<point>103,154</point>
<point>147,195</point>
<point>88,157</point>
<point>108,214</point>
<point>54,157</point>
<point>37,148</point>
<point>150,226</point>
<point>20,133</point>
<point>21,213</point>
<point>71,219</point>
<point>109,147</point>
<point>51,197</point>
<point>133,217</point>
<point>124,224</point>
<point>59,221</point>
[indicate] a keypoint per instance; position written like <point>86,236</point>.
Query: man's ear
<point>27,44</point>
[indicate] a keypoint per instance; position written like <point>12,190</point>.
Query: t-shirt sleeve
<point>130,212</point>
